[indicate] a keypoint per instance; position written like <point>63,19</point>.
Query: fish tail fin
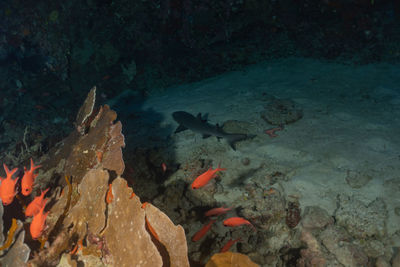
<point>33,166</point>
<point>45,191</point>
<point>233,138</point>
<point>218,169</point>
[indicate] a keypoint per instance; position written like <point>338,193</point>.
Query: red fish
<point>36,204</point>
<point>38,222</point>
<point>28,179</point>
<point>237,221</point>
<point>217,211</point>
<point>271,132</point>
<point>204,178</point>
<point>164,167</point>
<point>7,187</point>
<point>228,245</point>
<point>197,236</point>
<point>110,196</point>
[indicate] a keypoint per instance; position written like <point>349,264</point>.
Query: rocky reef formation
<point>94,216</point>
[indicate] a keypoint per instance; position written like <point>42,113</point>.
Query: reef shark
<point>200,125</point>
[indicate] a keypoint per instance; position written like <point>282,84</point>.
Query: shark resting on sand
<point>200,125</point>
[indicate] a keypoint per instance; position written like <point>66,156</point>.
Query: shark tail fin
<point>233,138</point>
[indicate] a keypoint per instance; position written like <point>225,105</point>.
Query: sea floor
<point>346,145</point>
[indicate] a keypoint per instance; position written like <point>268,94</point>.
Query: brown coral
<point>89,212</point>
<point>111,158</point>
<point>99,147</point>
<point>86,111</point>
<point>170,235</point>
<point>126,236</point>
<point>115,233</point>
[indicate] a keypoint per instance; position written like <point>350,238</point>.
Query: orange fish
<point>7,187</point>
<point>204,178</point>
<point>228,245</point>
<point>77,247</point>
<point>149,227</point>
<point>144,205</point>
<point>237,221</point>
<point>36,204</point>
<point>38,222</point>
<point>110,196</point>
<point>28,179</point>
<point>217,211</point>
<point>197,236</point>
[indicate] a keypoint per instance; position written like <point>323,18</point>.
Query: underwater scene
<point>216,133</point>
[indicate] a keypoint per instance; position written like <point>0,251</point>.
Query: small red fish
<point>199,234</point>
<point>228,245</point>
<point>164,167</point>
<point>204,178</point>
<point>148,225</point>
<point>237,221</point>
<point>110,196</point>
<point>7,187</point>
<point>151,229</point>
<point>28,179</point>
<point>38,222</point>
<point>36,204</point>
<point>217,211</point>
<point>271,132</point>
<point>77,247</point>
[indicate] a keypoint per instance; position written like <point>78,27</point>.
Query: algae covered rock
<point>281,111</point>
<point>362,220</point>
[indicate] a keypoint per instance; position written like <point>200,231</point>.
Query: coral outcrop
<point>127,239</point>
<point>170,235</point>
<point>94,214</point>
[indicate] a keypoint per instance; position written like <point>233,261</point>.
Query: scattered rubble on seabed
<point>311,203</point>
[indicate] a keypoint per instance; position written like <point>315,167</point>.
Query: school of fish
<point>201,181</point>
<point>35,209</point>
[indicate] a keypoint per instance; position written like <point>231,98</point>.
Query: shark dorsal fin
<point>202,118</point>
